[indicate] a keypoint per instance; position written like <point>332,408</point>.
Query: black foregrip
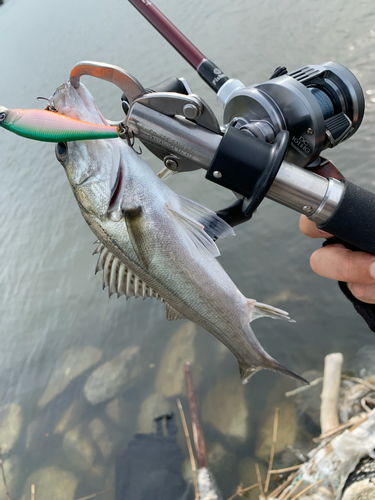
<point>354,219</point>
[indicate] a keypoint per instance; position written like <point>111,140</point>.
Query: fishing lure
<point>50,126</point>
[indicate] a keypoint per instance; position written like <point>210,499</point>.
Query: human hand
<point>339,263</point>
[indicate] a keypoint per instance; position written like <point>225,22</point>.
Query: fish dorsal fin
<point>121,280</point>
<point>200,226</point>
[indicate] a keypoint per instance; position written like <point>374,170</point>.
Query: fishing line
<point>233,34</point>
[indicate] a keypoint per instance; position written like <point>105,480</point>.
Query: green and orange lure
<point>50,126</point>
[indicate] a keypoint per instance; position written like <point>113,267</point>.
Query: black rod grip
<point>354,219</point>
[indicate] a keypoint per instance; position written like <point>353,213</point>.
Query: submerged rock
<point>225,408</point>
<point>74,362</point>
<point>113,377</point>
<point>10,426</point>
<point>154,406</point>
<point>70,417</point>
<point>287,430</point>
<point>79,449</point>
<point>170,379</point>
<point>101,436</point>
<point>219,458</point>
<point>116,410</point>
<point>51,483</point>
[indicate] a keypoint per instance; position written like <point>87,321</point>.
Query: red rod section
<point>169,31</point>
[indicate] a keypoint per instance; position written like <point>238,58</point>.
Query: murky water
<point>51,301</point>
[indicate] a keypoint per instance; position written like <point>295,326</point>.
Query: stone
<point>287,430</point>
<point>12,474</point>
<point>10,426</point>
<point>154,406</point>
<point>219,458</point>
<point>73,363</point>
<point>101,436</point>
<point>225,408</point>
<point>51,482</point>
<point>79,449</point>
<point>113,377</point>
<point>170,379</point>
<point>116,410</point>
<point>70,417</point>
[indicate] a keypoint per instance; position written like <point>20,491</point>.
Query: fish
<point>154,243</point>
<point>50,126</point>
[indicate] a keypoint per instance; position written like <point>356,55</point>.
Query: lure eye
<point>2,117</point>
<point>61,150</point>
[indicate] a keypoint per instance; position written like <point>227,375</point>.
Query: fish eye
<point>2,116</point>
<point>61,150</point>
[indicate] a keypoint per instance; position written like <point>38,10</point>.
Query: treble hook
<point>50,106</point>
<point>124,133</point>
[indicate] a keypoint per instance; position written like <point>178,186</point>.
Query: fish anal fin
<point>121,280</point>
<point>260,310</point>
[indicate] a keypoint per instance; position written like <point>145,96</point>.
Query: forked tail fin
<point>247,371</point>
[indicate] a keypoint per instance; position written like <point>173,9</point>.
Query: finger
<point>309,228</point>
<point>364,293</point>
<point>338,263</point>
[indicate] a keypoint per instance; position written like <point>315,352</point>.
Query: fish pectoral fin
<point>212,224</point>
<point>198,243</point>
<point>135,223</point>
<point>200,226</point>
<point>259,310</point>
<point>172,314</point>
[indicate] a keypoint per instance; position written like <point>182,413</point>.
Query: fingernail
<point>372,269</point>
<point>325,234</point>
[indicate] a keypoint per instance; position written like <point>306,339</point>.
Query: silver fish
<point>155,243</point>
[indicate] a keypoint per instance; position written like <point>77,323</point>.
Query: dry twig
<point>273,448</point>
<point>4,480</point>
<point>33,492</point>
<point>358,423</point>
<point>282,487</point>
<point>240,490</point>
<point>259,478</point>
<point>287,469</point>
<point>329,418</point>
<point>290,493</point>
<point>191,455</point>
<point>307,488</point>
<point>359,381</point>
<point>304,387</point>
